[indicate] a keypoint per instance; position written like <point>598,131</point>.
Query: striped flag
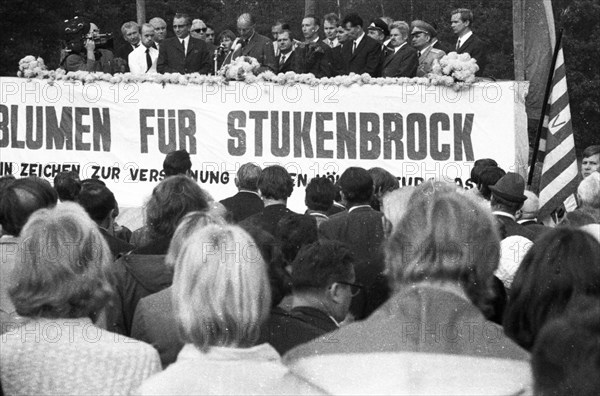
<point>560,175</point>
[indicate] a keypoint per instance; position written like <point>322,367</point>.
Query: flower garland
<point>455,71</point>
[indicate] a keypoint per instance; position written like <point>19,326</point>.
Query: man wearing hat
<point>507,198</point>
<point>422,35</point>
<point>378,30</point>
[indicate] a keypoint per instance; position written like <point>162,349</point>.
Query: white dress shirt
<point>137,60</point>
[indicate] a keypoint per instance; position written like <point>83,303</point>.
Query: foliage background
<point>34,28</point>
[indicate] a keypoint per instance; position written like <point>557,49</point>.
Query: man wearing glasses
<point>183,54</point>
<point>198,29</point>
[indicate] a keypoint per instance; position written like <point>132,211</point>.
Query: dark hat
<point>424,26</point>
<point>510,187</point>
<point>378,24</point>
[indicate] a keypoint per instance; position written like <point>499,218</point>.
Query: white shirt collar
<point>358,206</point>
<point>465,37</point>
<point>359,39</point>
<point>500,213</point>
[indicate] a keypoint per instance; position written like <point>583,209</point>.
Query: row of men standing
<point>394,50</point>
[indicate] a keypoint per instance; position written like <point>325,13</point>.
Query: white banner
<point>122,132</point>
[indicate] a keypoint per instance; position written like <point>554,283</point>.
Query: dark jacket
<point>508,227</point>
<point>242,205</point>
<point>402,63</point>
<point>171,58</point>
<point>268,218</point>
<point>260,48</point>
<point>365,58</point>
<point>477,49</point>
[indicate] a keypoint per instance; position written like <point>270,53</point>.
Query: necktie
<point>148,59</point>
<point>282,60</point>
<point>418,54</point>
<point>183,46</point>
<point>353,46</point>
<point>457,44</point>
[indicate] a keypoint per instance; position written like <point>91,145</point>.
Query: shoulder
<point>259,38</point>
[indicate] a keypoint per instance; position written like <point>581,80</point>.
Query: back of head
<point>97,200</point>
<point>222,268</point>
<point>172,199</point>
<point>445,235</point>
<point>275,183</point>
<point>20,199</point>
<point>562,264</point>
<point>62,273</point>
<point>353,19</point>
<point>480,165</point>
<point>294,231</point>
<point>531,206</point>
<point>177,163</point>
<point>357,185</point>
<point>67,185</point>
<point>588,191</point>
<point>395,204</point>
<point>489,176</point>
<point>320,193</point>
<point>383,181</point>
<point>321,263</point>
<point>566,357</point>
<point>247,176</point>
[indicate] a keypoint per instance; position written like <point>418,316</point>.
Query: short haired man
<point>253,44</point>
<point>177,162</point>
<point>198,29</point>
<point>100,204</point>
<point>378,30</point>
<point>247,201</point>
<point>323,284</point>
<point>337,60</point>
<point>360,228</point>
<point>275,185</point>
<point>160,29</point>
<point>360,53</point>
<point>330,24</point>
<point>131,34</point>
<point>315,53</point>
<point>591,160</point>
<point>319,196</point>
<point>277,28</point>
<point>183,54</point>
<point>422,35</point>
<point>67,185</point>
<point>288,59</point>
<point>210,34</point>
<point>527,215</point>
<point>143,59</point>
<point>467,42</point>
<point>402,60</point>
<point>507,198</point>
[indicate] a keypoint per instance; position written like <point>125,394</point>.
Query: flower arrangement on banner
<point>457,72</point>
<point>454,70</point>
<point>241,68</point>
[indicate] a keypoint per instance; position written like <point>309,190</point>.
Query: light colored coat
<point>426,60</point>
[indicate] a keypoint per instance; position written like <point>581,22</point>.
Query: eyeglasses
<point>355,288</point>
<point>199,30</point>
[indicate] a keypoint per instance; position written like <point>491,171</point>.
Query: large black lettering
<point>435,121</point>
<point>187,130</point>
<point>462,137</point>
<point>392,133</point>
<point>323,135</point>
<point>81,128</point>
<point>259,117</point>
<point>101,134</point>
<point>280,144</point>
<point>59,136</point>
<point>346,135</point>
<point>237,145</point>
<point>145,130</point>
<point>416,123</point>
<point>34,141</point>
<point>302,134</point>
<point>369,136</point>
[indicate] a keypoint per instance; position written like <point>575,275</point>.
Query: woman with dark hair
<point>59,286</point>
<point>383,182</point>
<point>561,265</point>
<point>142,271</point>
<point>225,41</point>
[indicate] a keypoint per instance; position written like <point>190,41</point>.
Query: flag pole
<point>538,134</point>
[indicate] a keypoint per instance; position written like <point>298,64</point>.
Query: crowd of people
<point>373,289</point>
<point>328,47</point>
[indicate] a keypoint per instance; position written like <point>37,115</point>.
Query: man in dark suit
<point>253,44</point>
<point>402,61</point>
<point>288,59</point>
<point>507,198</point>
<point>131,34</point>
<point>361,229</point>
<point>360,53</point>
<point>316,54</point>
<point>183,53</point>
<point>275,186</point>
<point>527,215</point>
<point>247,201</point>
<point>468,42</point>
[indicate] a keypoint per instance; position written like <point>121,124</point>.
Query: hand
<point>90,45</point>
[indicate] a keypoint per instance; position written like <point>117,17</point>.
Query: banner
<point>121,133</point>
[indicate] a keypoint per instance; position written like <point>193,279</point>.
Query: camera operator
<point>83,42</point>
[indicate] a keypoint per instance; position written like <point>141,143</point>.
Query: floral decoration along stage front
<point>453,70</point>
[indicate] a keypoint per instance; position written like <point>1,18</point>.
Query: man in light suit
<point>422,36</point>
<point>360,53</point>
<point>402,61</point>
<point>143,59</point>
<point>468,42</point>
<point>253,44</point>
<point>183,53</point>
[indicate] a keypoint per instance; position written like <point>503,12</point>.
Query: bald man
<point>250,43</point>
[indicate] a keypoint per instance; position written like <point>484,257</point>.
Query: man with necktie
<point>360,52</point>
<point>467,41</point>
<point>143,59</point>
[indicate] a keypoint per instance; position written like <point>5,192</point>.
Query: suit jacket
<point>402,63</point>
<point>261,48</point>
<point>338,67</point>
<point>242,205</point>
<point>509,227</point>
<point>477,48</point>
<point>137,60</point>
<point>362,231</point>
<point>426,60</point>
<point>117,246</point>
<point>365,58</point>
<point>172,60</point>
<point>316,61</point>
<point>124,50</point>
<point>267,218</point>
<point>292,63</point>
<point>443,47</point>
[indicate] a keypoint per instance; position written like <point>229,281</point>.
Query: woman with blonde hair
<point>59,286</point>
<point>221,296</point>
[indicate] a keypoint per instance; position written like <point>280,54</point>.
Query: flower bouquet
<point>454,69</point>
<point>30,66</point>
<point>240,69</point>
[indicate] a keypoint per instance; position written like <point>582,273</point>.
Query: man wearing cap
<point>360,52</point>
<point>402,60</point>
<point>378,31</point>
<point>507,198</point>
<point>422,35</point>
<point>468,42</point>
